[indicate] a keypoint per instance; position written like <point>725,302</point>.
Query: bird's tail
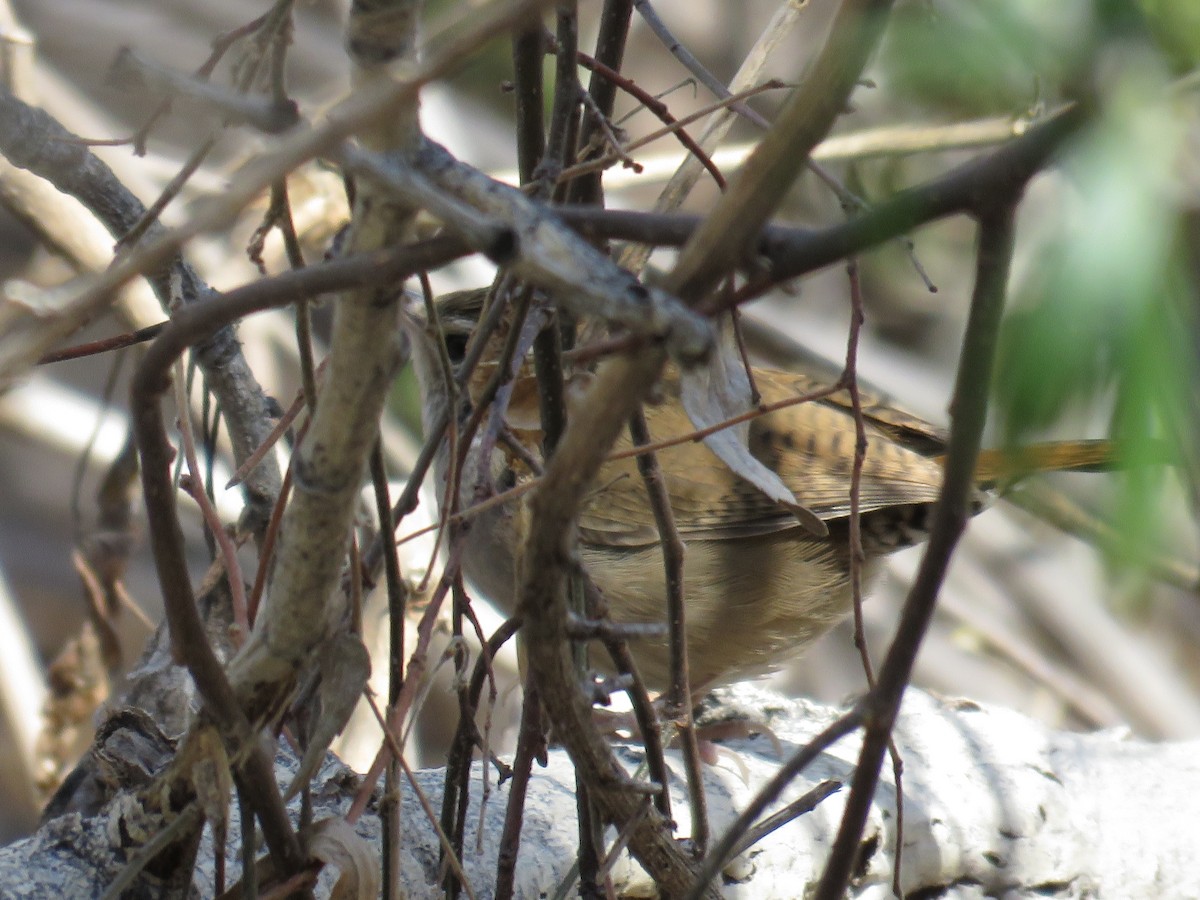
<point>1000,465</point>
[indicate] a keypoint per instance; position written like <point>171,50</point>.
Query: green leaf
<point>1175,24</point>
<point>1093,319</point>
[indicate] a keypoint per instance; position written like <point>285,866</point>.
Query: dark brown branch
<point>610,51</point>
<point>968,415</point>
<point>527,54</point>
<point>397,594</point>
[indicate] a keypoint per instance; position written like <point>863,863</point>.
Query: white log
<point>995,805</point>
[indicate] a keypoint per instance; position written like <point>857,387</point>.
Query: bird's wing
<point>811,447</point>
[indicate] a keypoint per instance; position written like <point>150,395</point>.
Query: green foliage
<point>986,57</point>
<point>1099,318</point>
<point>1175,24</point>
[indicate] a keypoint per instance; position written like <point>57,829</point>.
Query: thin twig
<point>680,696</point>
<point>104,345</point>
<point>426,806</point>
<point>195,488</point>
<point>723,851</point>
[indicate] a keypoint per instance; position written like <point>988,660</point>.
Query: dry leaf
<point>335,842</point>
<point>718,391</point>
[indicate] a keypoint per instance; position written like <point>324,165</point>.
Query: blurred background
<point>1097,630</point>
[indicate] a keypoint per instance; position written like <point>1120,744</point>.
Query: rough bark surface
<point>994,805</point>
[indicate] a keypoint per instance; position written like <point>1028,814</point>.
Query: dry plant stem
<point>398,753</point>
<point>620,153</point>
<point>279,213</point>
<point>677,49</point>
<point>605,131</point>
<point>868,143</point>
<point>850,380</point>
<point>802,805</point>
<point>643,709</point>
<point>281,428</point>
<point>968,413</point>
<point>409,497</point>
<point>414,678</point>
<point>458,761</point>
<point>170,191</point>
<point>104,345</point>
<point>531,743</point>
<point>455,798</point>
<point>195,487</point>
<point>679,700</point>
<point>850,377</point>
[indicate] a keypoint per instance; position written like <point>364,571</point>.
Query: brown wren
<point>759,587</point>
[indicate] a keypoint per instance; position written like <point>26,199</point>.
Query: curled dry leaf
<point>335,842</point>
<point>212,778</point>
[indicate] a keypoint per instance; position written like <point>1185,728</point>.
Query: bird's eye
<point>456,346</point>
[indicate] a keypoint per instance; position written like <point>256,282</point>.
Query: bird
<point>760,585</point>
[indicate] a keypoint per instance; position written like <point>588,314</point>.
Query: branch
<point>782,253</point>
<point>32,139</point>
